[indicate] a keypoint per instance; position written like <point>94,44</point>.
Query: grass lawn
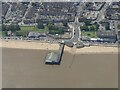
<point>26,29</point>
<point>33,28</point>
<point>118,26</point>
<point>2,33</point>
<point>91,34</point>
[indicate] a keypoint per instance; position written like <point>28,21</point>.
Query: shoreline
<point>54,47</point>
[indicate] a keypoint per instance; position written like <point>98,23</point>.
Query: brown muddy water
<point>26,69</point>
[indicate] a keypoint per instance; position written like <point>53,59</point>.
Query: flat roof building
<point>55,57</point>
<point>51,58</point>
<point>36,35</point>
<point>107,34</point>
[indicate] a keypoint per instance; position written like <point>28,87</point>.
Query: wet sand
<point>26,69</point>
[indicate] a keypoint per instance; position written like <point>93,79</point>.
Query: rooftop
<point>51,57</point>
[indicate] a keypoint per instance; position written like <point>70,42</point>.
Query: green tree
<point>51,26</point>
<point>17,27</point>
<point>87,22</point>
<point>96,25</point>
<point>55,30</point>
<point>10,27</point>
<point>107,27</point>
<point>3,27</point>
<point>92,28</point>
<point>85,28</point>
<point>65,23</point>
<point>40,25</point>
<point>118,26</point>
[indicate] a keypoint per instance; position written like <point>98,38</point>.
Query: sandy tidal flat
<point>25,68</point>
<point>29,45</point>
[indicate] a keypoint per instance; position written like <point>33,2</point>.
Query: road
<point>80,8</point>
<point>9,11</point>
<point>29,6</point>
<point>76,32</point>
<point>102,12</point>
<point>76,25</point>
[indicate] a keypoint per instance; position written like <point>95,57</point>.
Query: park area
<point>90,30</point>
<point>24,30</point>
<point>92,34</point>
<point>18,30</point>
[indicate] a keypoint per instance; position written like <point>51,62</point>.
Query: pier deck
<point>55,58</point>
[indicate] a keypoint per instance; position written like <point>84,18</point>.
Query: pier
<point>60,53</point>
<point>55,57</point>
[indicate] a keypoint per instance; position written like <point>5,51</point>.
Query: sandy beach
<point>48,46</point>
